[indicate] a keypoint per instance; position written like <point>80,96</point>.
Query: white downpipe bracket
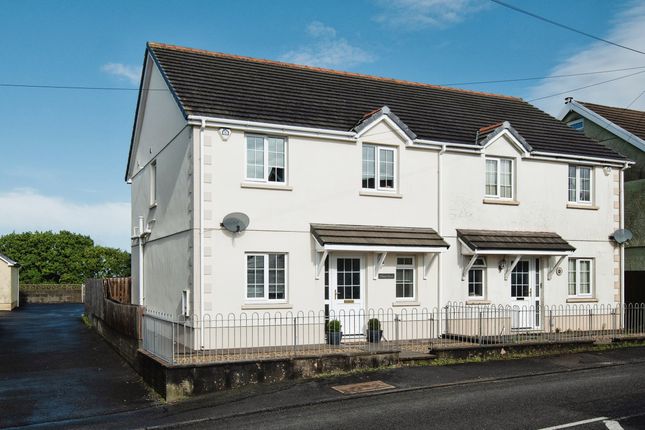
<point>201,229</point>
<point>510,268</point>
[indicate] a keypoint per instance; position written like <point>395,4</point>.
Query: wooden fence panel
<point>103,300</point>
<point>119,289</point>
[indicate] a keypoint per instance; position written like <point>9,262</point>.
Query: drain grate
<point>363,387</point>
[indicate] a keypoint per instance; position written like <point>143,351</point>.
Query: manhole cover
<point>363,387</point>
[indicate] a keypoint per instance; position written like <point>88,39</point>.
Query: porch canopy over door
<point>515,245</point>
<point>377,239</point>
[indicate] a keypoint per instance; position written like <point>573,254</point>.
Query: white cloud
<point>129,73</point>
<point>27,210</point>
<point>416,14</point>
<point>327,50</point>
<point>626,29</point>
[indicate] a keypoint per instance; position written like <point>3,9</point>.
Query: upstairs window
<point>379,171</point>
<point>153,183</point>
<point>266,159</point>
<point>499,178</point>
<point>580,184</point>
<point>580,277</point>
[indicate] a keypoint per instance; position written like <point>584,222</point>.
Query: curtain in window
<point>254,157</point>
<point>369,166</point>
<point>506,179</point>
<point>491,177</point>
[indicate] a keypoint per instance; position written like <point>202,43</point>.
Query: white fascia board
<point>602,122</point>
<point>378,248</point>
<point>214,122</point>
<point>384,118</point>
<point>597,160</point>
<point>521,252</point>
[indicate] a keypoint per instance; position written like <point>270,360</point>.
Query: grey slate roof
<point>479,240</point>
<point>227,86</point>
<point>629,119</point>
<point>343,234</point>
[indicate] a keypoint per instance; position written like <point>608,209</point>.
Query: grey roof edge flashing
<point>506,126</point>
<point>384,111</point>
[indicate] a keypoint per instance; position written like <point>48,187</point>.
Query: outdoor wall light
<point>502,265</point>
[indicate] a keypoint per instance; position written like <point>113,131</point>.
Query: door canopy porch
<point>377,239</point>
<point>516,244</point>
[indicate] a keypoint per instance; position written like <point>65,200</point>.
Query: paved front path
<point>52,367</point>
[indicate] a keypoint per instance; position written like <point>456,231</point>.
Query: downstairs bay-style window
<point>499,178</point>
<point>405,278</point>
<point>266,159</point>
<point>379,168</point>
<point>580,277</point>
<point>580,184</point>
<point>476,279</point>
<point>266,277</point>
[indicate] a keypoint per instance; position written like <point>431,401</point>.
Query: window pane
<point>585,184</point>
<point>276,159</point>
<point>255,276</point>
<point>572,183</point>
<point>254,157</point>
<point>491,177</point>
<point>520,280</point>
<point>386,168</point>
<point>369,166</point>
<point>585,276</point>
<point>405,278</point>
<point>572,277</point>
<point>475,282</point>
<point>506,179</point>
<point>276,276</point>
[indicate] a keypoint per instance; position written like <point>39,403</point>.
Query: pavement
<point>585,390</point>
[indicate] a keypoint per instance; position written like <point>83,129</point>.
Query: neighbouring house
<point>361,193</point>
<point>622,130</point>
<point>9,273</point>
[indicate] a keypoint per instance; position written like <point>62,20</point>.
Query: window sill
<point>582,300</point>
<point>265,186</point>
<point>250,306</point>
<point>405,303</point>
<point>582,206</point>
<point>381,194</point>
<point>478,302</point>
<point>507,202</point>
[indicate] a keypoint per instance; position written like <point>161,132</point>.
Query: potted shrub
<point>333,332</point>
<point>374,332</point>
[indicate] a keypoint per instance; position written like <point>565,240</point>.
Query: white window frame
<point>413,267</point>
<point>498,185</point>
<point>266,298</point>
<point>377,168</point>
<point>480,265</point>
<point>575,122</point>
<point>153,184</point>
<point>265,177</point>
<point>577,292</point>
<point>577,189</point>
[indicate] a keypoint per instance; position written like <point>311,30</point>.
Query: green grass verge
<point>86,320</point>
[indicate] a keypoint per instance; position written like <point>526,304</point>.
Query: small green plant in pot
<point>374,332</point>
<point>334,334</point>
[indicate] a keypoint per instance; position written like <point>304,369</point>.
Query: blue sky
<point>64,151</point>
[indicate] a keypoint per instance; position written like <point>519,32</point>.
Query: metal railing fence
<point>254,336</point>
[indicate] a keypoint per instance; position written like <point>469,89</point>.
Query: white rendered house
<point>362,193</point>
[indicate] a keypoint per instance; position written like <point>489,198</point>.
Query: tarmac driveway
<point>53,368</point>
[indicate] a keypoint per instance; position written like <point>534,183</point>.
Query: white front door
<point>525,286</point>
<point>347,282</point>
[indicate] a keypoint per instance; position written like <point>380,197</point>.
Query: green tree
<point>63,257</point>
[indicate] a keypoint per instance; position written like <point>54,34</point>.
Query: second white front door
<point>525,285</point>
<point>348,290</point>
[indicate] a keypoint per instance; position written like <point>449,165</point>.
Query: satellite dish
<point>235,222</point>
<point>622,235</point>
